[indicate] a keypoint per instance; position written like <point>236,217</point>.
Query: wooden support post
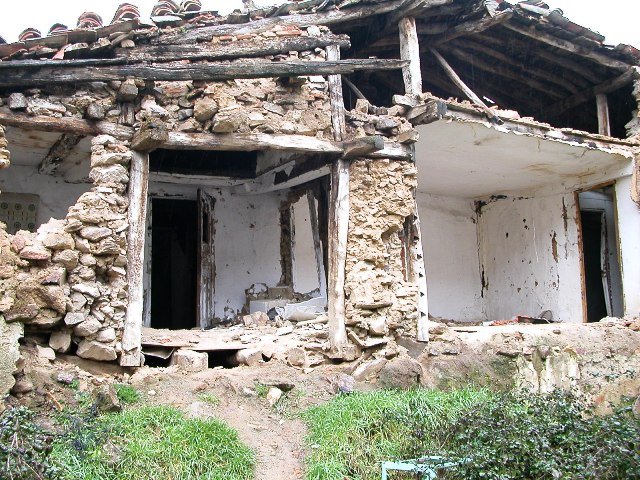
<point>419,277</point>
<point>338,218</point>
<point>604,126</point>
<point>410,50</point>
<point>137,216</point>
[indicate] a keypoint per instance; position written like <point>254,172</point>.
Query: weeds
<point>209,398</point>
<point>126,393</point>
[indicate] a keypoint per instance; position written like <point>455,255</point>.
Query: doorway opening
<point>600,257</point>
<point>174,263</point>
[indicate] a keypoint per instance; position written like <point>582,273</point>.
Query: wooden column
<point>604,125</point>
<point>137,217</point>
<point>410,50</point>
<point>419,277</point>
<point>338,217</point>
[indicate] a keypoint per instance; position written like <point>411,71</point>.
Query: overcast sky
<point>616,19</point>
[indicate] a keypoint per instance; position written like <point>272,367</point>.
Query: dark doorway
<point>592,253</point>
<point>174,244</point>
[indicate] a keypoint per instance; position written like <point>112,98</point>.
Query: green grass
<point>350,435</point>
<point>149,443</point>
<point>209,398</point>
<point>126,393</point>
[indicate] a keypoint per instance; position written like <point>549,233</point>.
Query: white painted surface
<point>56,196</point>
<point>629,232</point>
<point>246,241</point>
<point>450,245</point>
<point>305,272</point>
<point>524,273</point>
<point>471,160</point>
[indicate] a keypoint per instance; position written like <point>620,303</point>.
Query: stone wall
<point>379,298</point>
<point>68,278</point>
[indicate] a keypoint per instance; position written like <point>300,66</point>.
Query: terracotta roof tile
<point>57,28</point>
<point>164,8</point>
<point>89,20</point>
<point>126,11</point>
<point>29,34</point>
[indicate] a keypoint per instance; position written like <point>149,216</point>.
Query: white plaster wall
<point>56,196</point>
<point>450,244</point>
<point>246,241</point>
<point>629,232</point>
<point>525,270</point>
<point>305,269</point>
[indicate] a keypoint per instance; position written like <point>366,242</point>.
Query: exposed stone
<point>226,122</point>
<point>369,369</point>
<point>401,373</point>
<point>17,101</point>
<point>274,395</point>
<point>45,353</point>
<point>112,174</point>
<point>345,383</point>
<point>90,289</point>
<point>9,353</point>
<point>190,360</point>
<point>60,341</point>
<point>96,351</point>
<point>58,241</point>
<point>128,91</point>
<point>296,357</point>
<point>35,253</point>
<point>204,109</point>
<point>23,385</point>
<point>95,111</point>
<point>106,399</point>
<point>66,378</point>
<point>106,247</point>
<point>255,319</point>
<point>249,356</point>
<point>89,327</point>
<point>74,318</point>
<point>106,335</point>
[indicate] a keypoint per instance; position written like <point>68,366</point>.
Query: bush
<point>519,435</point>
<point>24,447</point>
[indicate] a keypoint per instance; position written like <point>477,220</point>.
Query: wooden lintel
<point>453,76</point>
<point>208,71</point>
<point>71,125</point>
<point>410,51</point>
<point>471,27</point>
<point>589,94</point>
<point>246,142</point>
<point>566,45</point>
<point>58,152</point>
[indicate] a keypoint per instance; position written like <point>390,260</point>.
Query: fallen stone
<point>345,383</point>
<point>89,327</point>
<point>96,351</point>
<point>60,341</point>
<point>401,373</point>
<point>190,360</point>
<point>286,330</point>
<point>45,353</point>
<point>274,395</point>
<point>106,399</point>
<point>296,357</point>
<point>66,378</point>
<point>368,370</point>
<point>255,319</point>
<point>378,326</point>
<point>249,357</point>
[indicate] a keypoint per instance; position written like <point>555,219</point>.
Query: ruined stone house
<point>392,161</point>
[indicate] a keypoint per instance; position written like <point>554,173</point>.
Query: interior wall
<point>450,247</point>
<point>246,241</point>
<point>305,271</point>
<point>629,233</point>
<point>56,196</point>
<point>530,258</point>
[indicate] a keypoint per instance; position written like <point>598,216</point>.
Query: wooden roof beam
<point>470,28</point>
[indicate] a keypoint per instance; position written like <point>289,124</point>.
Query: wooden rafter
<point>471,27</point>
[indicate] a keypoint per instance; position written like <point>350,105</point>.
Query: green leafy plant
<point>126,393</point>
<point>24,447</point>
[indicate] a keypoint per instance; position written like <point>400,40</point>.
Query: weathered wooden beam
<point>338,219</point>
<point>58,152</point>
<point>131,355</point>
<point>413,8</point>
<point>210,71</point>
<point>331,17</point>
<point>453,76</point>
<point>566,45</point>
<point>584,96</point>
<point>410,51</point>
<point>470,28</point>
<point>418,275</point>
<point>604,124</point>
<point>362,146</point>
<point>353,88</point>
<point>246,142</point>
<point>63,125</point>
<point>231,50</point>
<point>427,112</point>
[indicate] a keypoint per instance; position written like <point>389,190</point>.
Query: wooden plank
<point>231,50</point>
<point>471,28</point>
<point>206,265</point>
<point>410,51</point>
<point>58,153</point>
<point>137,219</point>
<point>338,219</point>
<point>246,142</point>
<point>604,124</point>
<point>210,71</point>
<point>584,96</point>
<point>568,46</point>
<point>419,276</point>
<point>453,76</point>
<point>63,125</point>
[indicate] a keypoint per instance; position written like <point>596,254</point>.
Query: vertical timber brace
<point>338,217</point>
<point>137,215</point>
<point>604,125</point>
<point>410,50</point>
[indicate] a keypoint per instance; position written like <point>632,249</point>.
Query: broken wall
<point>379,297</point>
<point>628,216</point>
<point>529,256</point>
<point>450,244</point>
